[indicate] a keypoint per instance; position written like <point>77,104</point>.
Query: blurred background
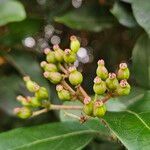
<point>107,29</point>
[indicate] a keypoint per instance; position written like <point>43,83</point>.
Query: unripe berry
<point>62,93</point>
<point>42,93</point>
<point>30,85</point>
<point>74,44</point>
<point>54,77</point>
<point>88,106</point>
<point>101,70</point>
<point>50,55</point>
<point>75,77</point>
<point>69,56</point>
<point>112,82</point>
<point>23,113</point>
<point>123,88</point>
<point>123,72</point>
<point>58,53</point>
<point>99,109</point>
<point>99,86</point>
<point>49,66</point>
<point>24,101</point>
<point>35,102</point>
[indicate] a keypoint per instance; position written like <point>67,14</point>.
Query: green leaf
<point>89,17</point>
<point>124,16</point>
<point>11,11</point>
<point>66,135</point>
<point>132,126</point>
<point>132,129</point>
<point>141,12</point>
<point>64,117</point>
<point>10,87</point>
<point>27,64</point>
<point>141,61</point>
<point>27,27</point>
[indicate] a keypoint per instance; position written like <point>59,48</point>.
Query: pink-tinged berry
<point>99,109</point>
<point>50,55</point>
<point>123,72</point>
<point>54,77</point>
<point>69,56</point>
<point>123,88</point>
<point>49,66</point>
<point>88,106</point>
<point>24,101</point>
<point>42,93</point>
<point>99,86</point>
<point>30,85</point>
<point>59,53</point>
<point>23,113</point>
<point>101,71</point>
<point>112,82</point>
<point>74,44</point>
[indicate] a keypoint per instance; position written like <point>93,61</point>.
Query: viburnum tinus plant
<point>59,69</point>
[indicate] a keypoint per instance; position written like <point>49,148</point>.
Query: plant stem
<point>66,107</point>
<point>62,68</point>
<point>83,92</point>
<point>67,87</point>
<point>56,107</point>
<point>106,98</point>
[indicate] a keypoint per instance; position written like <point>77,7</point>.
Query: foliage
<point>116,31</point>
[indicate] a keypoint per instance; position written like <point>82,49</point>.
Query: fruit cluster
<point>59,69</point>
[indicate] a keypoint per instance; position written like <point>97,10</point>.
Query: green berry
<point>99,109</point>
<point>58,53</point>
<point>42,93</point>
<point>74,44</point>
<point>112,82</point>
<point>75,77</point>
<point>101,70</point>
<point>123,72</point>
<point>30,85</point>
<point>62,93</point>
<point>50,56</point>
<point>35,102</point>
<point>123,88</point>
<point>49,66</point>
<point>23,113</point>
<point>88,106</point>
<point>99,86</point>
<point>54,77</point>
<point>24,101</point>
<point>69,56</point>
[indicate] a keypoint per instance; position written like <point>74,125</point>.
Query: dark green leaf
<point>27,27</point>
<point>58,136</point>
<point>90,17</point>
<point>141,61</point>
<point>11,11</point>
<point>124,16</point>
<point>141,12</point>
<point>27,64</point>
<point>10,87</point>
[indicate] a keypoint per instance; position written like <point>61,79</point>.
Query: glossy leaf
<point>90,17</point>
<point>11,11</point>
<point>141,61</point>
<point>141,12</point>
<point>131,128</point>
<point>66,135</point>
<point>124,16</point>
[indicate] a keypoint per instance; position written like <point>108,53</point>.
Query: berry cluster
<point>59,69</point>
